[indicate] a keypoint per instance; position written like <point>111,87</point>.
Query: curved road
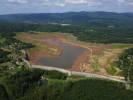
<point>89,75</point>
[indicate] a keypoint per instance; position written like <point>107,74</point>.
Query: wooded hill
<point>74,18</point>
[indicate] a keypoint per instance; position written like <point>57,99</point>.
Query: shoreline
<point>76,66</point>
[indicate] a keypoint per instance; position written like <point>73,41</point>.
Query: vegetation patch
<point>3,93</point>
<point>85,89</point>
<point>113,70</point>
<point>55,75</point>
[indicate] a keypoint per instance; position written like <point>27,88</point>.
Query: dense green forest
<point>29,85</point>
<point>73,18</point>
<point>125,63</point>
<point>96,34</point>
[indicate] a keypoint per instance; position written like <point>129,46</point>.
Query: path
<point>89,75</point>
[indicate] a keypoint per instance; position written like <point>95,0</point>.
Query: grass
<point>121,46</point>
<point>75,77</point>
<point>105,60</point>
<point>112,70</point>
<point>95,64</point>
<point>2,40</point>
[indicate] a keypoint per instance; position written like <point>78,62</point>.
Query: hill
<point>86,18</point>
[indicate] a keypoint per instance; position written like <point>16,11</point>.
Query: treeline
<point>74,18</point>
<point>10,48</point>
<point>8,28</point>
<point>125,63</point>
<point>88,33</point>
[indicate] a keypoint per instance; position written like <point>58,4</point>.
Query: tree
<point>125,63</point>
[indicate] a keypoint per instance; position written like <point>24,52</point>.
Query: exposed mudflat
<point>67,57</point>
<point>53,50</point>
<point>64,51</point>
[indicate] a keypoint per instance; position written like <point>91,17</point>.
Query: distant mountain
<point>86,18</point>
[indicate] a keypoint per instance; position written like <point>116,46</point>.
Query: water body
<point>66,59</point>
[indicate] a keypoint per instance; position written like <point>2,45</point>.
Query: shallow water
<point>66,59</point>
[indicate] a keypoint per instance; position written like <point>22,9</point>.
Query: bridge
<point>88,75</point>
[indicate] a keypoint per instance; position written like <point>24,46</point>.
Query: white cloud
<point>76,1</point>
<point>56,3</point>
<point>60,4</point>
<point>121,1</point>
<point>18,1</point>
<point>130,2</point>
<point>18,6</point>
<point>94,3</point>
<point>126,2</point>
<point>85,2</point>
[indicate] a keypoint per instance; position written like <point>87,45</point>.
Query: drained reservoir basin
<point>66,59</point>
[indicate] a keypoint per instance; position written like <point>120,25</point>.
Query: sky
<point>58,6</point>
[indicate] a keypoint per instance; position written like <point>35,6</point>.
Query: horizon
<point>61,6</point>
<point>67,12</point>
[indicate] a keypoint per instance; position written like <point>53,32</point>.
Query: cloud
<point>92,4</point>
<point>130,2</point>
<point>18,6</point>
<point>63,3</point>
<point>126,1</point>
<point>54,4</point>
<point>121,1</point>
<point>60,4</point>
<point>76,1</point>
<point>57,3</point>
<point>18,1</point>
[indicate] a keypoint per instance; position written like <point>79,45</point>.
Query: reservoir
<point>67,57</point>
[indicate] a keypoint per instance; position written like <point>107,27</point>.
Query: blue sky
<point>44,6</point>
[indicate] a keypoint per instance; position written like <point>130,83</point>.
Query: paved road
<point>89,75</point>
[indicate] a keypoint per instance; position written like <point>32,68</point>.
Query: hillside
<point>86,18</point>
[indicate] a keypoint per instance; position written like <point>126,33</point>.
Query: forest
<point>95,34</point>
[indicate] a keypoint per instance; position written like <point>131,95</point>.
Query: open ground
<point>97,58</point>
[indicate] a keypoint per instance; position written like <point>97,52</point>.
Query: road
<point>89,75</point>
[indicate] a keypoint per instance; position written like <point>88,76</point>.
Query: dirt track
<point>90,75</point>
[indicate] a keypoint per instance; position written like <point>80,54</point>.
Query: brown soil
<point>39,41</point>
<point>35,56</point>
<point>81,59</point>
<point>82,63</point>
